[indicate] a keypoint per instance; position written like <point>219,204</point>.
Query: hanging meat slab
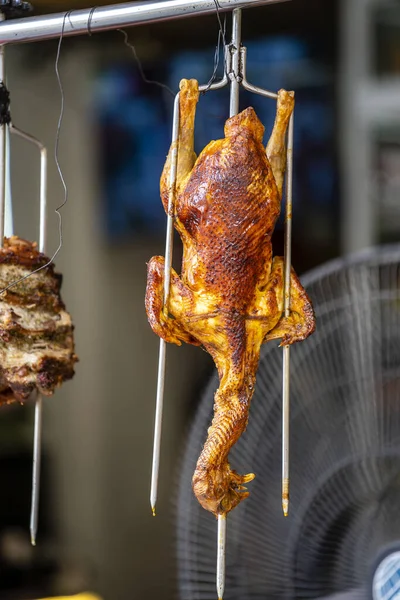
<point>36,332</point>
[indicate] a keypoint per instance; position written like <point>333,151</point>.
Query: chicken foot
<point>217,487</point>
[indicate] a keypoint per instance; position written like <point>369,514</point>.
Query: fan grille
<point>344,446</point>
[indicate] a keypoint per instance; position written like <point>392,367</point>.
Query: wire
<point>222,29</point>
<point>90,18</point>
<point>221,37</point>
<point>58,209</point>
<point>139,64</point>
<point>60,119</point>
<point>216,59</point>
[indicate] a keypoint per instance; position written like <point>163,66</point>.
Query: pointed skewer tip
<point>153,510</point>
<point>33,540</point>
<point>285,507</point>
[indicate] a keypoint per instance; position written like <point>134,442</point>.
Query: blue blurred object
<point>134,121</point>
<point>386,580</point>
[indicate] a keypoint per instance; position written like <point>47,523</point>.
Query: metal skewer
<point>9,217</point>
<point>167,279</point>
<point>221,556</point>
<point>235,80</point>
<point>3,146</point>
<point>286,305</point>
<point>37,437</point>
<point>286,289</point>
<point>235,71</point>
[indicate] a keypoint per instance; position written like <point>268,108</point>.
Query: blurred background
<point>343,60</point>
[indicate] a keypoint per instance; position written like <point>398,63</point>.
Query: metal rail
<point>78,22</point>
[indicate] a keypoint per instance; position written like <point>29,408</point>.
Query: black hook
<point>5,117</point>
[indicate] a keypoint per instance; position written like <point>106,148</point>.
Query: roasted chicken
<point>229,298</point>
<point>36,333</point>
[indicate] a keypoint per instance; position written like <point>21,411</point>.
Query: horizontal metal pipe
<point>111,17</point>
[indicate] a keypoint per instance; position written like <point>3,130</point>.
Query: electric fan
<point>342,537</point>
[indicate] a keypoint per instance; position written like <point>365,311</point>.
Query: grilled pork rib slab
<point>36,332</point>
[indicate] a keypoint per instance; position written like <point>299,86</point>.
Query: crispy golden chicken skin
<point>229,297</point>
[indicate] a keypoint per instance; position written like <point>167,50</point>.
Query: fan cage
<point>345,451</point>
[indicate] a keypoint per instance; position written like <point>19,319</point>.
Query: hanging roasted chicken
<point>229,298</point>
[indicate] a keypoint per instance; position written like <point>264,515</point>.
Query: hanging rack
<point>234,75</point>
